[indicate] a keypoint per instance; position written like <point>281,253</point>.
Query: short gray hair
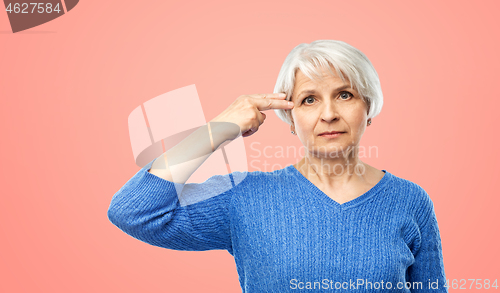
<point>344,58</point>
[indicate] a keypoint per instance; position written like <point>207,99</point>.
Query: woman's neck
<point>339,170</point>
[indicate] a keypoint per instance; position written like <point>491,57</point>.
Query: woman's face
<point>324,106</point>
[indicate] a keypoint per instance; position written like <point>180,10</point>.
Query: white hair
<point>344,58</point>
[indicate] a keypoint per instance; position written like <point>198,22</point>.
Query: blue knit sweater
<point>286,235</point>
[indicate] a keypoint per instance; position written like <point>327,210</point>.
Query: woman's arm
<point>182,160</point>
<point>243,117</point>
<point>428,268</point>
<point>148,207</point>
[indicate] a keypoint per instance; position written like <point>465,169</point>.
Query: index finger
<point>272,96</point>
<point>268,104</point>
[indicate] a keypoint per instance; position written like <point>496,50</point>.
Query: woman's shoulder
<point>407,186</point>
<point>413,194</point>
<point>398,185</point>
<point>227,185</point>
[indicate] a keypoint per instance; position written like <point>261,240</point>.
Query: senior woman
<point>328,222</point>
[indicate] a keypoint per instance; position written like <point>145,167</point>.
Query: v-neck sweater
<point>286,235</point>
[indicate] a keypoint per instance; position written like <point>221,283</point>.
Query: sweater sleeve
<point>147,208</point>
<point>428,268</point>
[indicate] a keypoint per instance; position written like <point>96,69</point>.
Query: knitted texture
<point>286,235</point>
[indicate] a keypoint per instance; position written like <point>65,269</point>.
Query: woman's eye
<point>344,96</point>
<point>347,95</point>
<point>308,100</point>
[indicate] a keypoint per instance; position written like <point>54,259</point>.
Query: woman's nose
<point>329,112</point>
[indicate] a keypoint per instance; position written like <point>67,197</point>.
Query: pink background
<point>68,86</point>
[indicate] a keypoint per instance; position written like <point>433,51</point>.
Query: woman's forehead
<point>304,83</point>
<point>324,76</point>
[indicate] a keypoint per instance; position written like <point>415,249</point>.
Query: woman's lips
<point>331,135</point>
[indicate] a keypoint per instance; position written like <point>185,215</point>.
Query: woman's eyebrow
<point>312,91</point>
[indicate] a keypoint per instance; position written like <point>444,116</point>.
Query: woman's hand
<point>246,111</point>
